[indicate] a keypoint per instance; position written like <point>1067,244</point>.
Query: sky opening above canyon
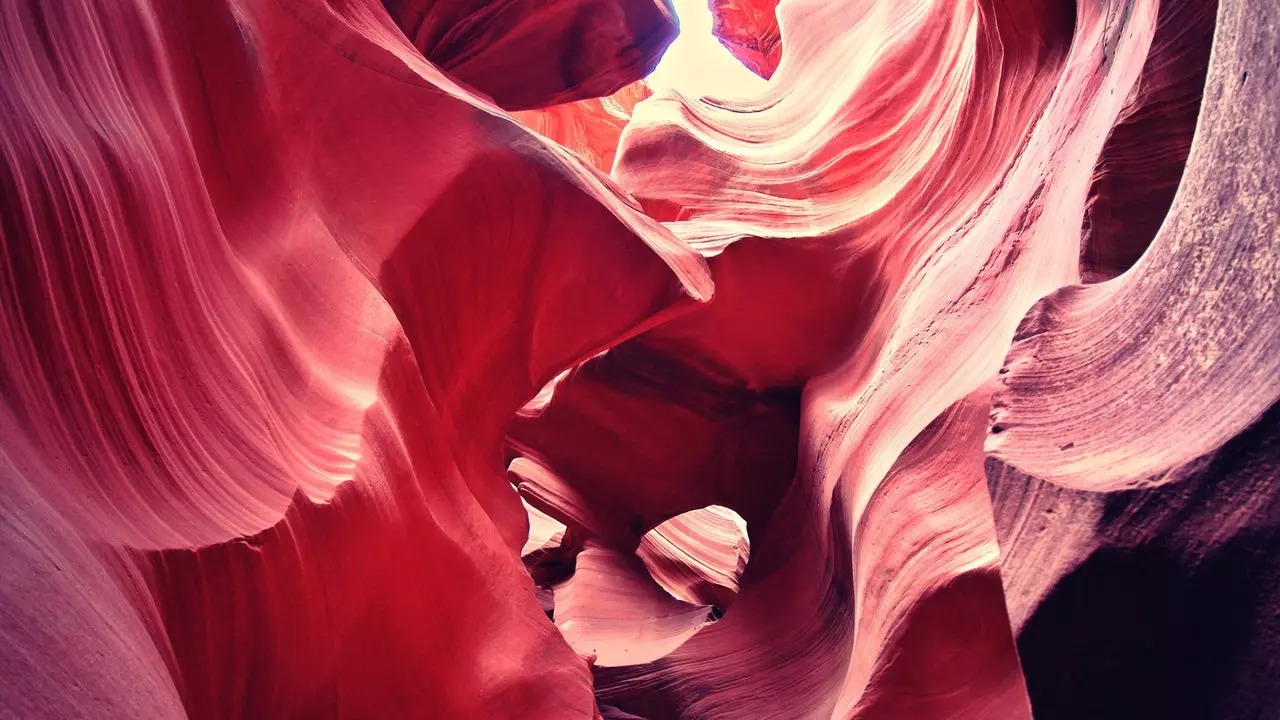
<point>696,64</point>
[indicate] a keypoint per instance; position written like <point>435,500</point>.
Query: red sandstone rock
<point>330,389</point>
<point>749,29</point>
<point>274,284</point>
<point>698,556</point>
<point>529,54</point>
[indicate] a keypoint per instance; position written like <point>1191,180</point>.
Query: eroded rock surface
<point>416,358</point>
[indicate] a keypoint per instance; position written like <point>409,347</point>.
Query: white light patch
<point>697,64</point>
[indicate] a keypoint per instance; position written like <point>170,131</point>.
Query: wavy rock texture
<point>259,348</point>
<point>1141,164</point>
<point>414,358</point>
<point>698,556</point>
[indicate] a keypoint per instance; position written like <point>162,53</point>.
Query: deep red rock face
<point>414,358</point>
<point>749,30</point>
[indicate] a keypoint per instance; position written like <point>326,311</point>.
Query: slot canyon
<point>640,360</point>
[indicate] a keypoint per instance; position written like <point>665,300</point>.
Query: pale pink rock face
<point>462,359</point>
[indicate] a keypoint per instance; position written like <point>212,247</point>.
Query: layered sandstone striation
<point>418,358</point>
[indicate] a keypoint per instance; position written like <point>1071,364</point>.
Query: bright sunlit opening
<point>697,64</point>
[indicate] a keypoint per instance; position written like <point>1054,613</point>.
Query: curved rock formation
<point>527,54</point>
<point>1141,164</point>
<point>1189,333</point>
<point>259,348</point>
<point>422,358</point>
<point>749,30</point>
<point>698,556</point>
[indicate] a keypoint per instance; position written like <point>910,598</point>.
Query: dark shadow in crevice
<point>1142,162</point>
<point>1177,615</point>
